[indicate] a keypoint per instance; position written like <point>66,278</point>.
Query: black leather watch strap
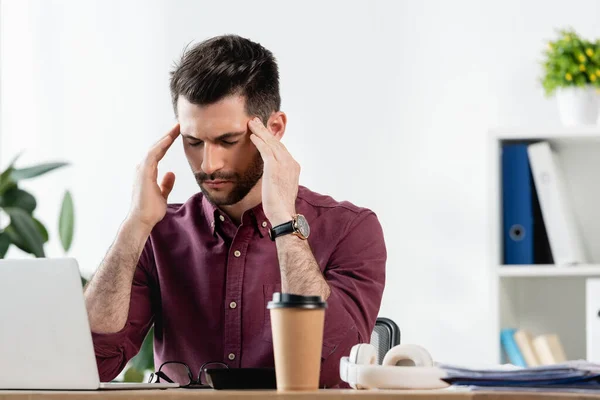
<point>280,230</point>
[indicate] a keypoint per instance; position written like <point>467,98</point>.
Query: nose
<point>213,160</point>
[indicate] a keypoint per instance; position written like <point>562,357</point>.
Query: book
<point>524,341</point>
<point>549,349</point>
<point>524,350</point>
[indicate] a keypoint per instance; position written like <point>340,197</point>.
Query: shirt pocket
<point>268,291</point>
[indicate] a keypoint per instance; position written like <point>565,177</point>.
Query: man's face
<point>217,144</point>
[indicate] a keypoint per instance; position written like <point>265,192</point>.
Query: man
<point>202,272</point>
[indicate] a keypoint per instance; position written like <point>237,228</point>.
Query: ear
<point>277,123</point>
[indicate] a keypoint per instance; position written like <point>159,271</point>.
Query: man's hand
<point>300,272</point>
<point>280,177</point>
<point>108,294</point>
<point>149,200</point>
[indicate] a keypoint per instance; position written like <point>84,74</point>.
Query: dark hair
<point>228,65</point>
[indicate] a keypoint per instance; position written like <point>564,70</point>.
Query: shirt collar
<point>210,212</point>
<point>254,216</point>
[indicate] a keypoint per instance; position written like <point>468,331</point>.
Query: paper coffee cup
<point>297,328</point>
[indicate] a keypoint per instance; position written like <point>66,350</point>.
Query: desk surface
<point>176,394</point>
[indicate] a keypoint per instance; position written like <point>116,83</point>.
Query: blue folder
<point>570,376</point>
<point>517,205</point>
<point>510,346</point>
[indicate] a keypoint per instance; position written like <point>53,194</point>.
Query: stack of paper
<point>571,374</point>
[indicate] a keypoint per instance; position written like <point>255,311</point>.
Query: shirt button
<point>222,218</point>
<point>264,224</point>
<point>233,304</point>
<point>231,356</point>
<point>237,253</point>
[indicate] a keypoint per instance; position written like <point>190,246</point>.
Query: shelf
<point>533,271</point>
<point>558,133</point>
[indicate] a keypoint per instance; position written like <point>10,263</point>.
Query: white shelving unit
<point>540,271</point>
<point>549,298</point>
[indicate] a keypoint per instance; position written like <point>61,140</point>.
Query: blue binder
<point>517,205</point>
<point>509,344</point>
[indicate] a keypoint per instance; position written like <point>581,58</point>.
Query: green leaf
<point>27,230</point>
<point>42,230</point>
<point>18,241</point>
<point>66,221</point>
<point>37,170</point>
<point>15,197</point>
<point>6,182</point>
<point>4,243</point>
<point>144,360</point>
<point>15,238</point>
<point>6,186</point>
<point>14,161</point>
<point>5,178</point>
<point>133,375</point>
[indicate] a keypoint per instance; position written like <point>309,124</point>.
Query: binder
<point>524,233</point>
<point>563,235</point>
<point>592,319</point>
<point>517,205</point>
<point>509,344</point>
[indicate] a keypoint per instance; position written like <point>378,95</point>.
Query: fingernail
<point>256,119</point>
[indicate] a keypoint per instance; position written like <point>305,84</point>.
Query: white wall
<point>389,104</point>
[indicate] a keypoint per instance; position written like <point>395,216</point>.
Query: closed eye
<point>225,143</point>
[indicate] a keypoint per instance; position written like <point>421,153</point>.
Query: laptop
<point>45,338</point>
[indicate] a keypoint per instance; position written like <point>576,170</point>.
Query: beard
<point>242,183</point>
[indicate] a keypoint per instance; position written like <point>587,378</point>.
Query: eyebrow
<point>225,136</point>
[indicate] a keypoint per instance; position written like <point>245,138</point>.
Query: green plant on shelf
<point>570,61</point>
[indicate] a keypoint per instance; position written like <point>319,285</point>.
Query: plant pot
<point>578,105</point>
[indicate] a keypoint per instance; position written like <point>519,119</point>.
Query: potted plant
<point>572,72</point>
<point>23,229</point>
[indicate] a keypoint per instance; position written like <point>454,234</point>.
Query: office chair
<point>386,335</point>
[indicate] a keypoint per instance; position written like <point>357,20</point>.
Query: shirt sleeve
<point>356,276</point>
<point>114,350</point>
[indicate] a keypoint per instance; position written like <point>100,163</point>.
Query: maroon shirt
<point>204,283</point>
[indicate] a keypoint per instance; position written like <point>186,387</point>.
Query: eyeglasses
<point>179,372</point>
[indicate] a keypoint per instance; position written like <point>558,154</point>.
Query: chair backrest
<point>386,335</point>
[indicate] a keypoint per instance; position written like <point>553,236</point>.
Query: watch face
<point>302,226</point>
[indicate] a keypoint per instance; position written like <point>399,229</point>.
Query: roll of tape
<point>408,355</point>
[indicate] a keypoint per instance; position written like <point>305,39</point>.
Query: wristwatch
<point>297,226</point>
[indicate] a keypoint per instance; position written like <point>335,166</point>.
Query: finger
<point>167,184</point>
<point>158,151</point>
<point>258,128</point>
<point>173,131</point>
<point>264,149</point>
<point>278,149</point>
